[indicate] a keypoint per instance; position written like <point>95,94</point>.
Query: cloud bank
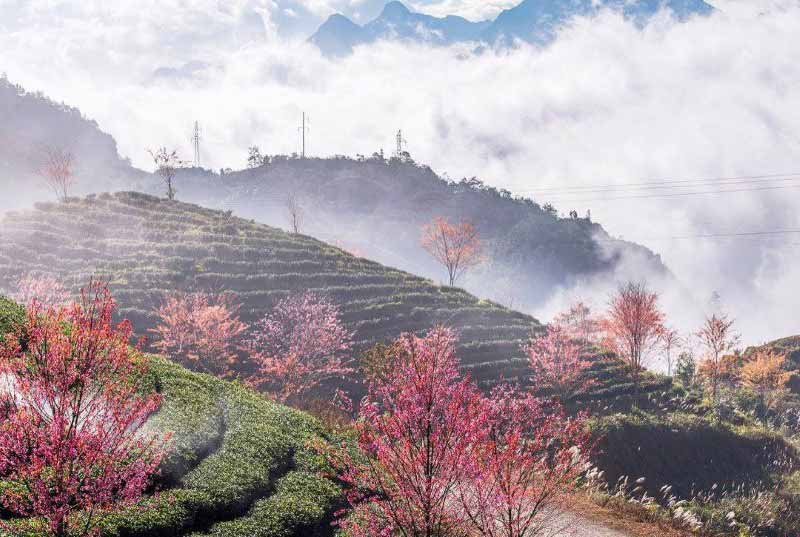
<point>605,104</point>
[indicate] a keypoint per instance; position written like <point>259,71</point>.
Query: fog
<point>605,104</point>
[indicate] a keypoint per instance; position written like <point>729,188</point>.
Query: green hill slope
<point>145,247</point>
<point>239,466</point>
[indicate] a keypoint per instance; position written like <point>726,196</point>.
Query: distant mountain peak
<point>395,10</point>
<point>533,21</point>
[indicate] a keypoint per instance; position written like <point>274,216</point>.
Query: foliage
<point>299,345</point>
<point>557,363</point>
<point>633,325</point>
<point>456,246</point>
<point>46,290</point>
<point>200,330</point>
<point>526,466</point>
<point>718,338</point>
<point>70,446</point>
<point>439,458</point>
<point>12,316</point>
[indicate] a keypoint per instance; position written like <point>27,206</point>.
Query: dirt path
<point>588,519</point>
<point>579,526</point>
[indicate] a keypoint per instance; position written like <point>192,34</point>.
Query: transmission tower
<point>196,143</point>
<point>401,142</point>
<point>303,129</point>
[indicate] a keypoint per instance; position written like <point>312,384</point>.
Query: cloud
<point>606,104</point>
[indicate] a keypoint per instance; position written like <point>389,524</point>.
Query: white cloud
<point>605,104</point>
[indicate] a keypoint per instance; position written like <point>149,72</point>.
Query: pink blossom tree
<point>527,464</point>
<point>557,362</point>
<point>438,458</point>
<point>46,290</point>
<point>418,429</point>
<point>71,439</point>
<point>579,323</point>
<point>201,330</point>
<point>300,344</point>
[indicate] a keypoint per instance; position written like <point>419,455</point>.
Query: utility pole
<point>303,129</point>
<point>196,144</point>
<point>400,143</point>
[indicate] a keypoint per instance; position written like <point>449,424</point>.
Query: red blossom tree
<point>456,246</point>
<point>200,330</point>
<point>418,429</point>
<point>633,326</point>
<point>46,290</point>
<point>557,362</point>
<point>527,465</point>
<point>440,459</point>
<point>71,439</point>
<point>57,172</point>
<point>300,344</point>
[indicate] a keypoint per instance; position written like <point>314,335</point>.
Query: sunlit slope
<point>146,246</point>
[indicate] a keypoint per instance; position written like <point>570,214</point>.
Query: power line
<point>677,194</point>
<point>676,182</point>
<point>711,235</point>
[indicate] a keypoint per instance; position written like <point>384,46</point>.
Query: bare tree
<point>167,164</point>
<point>57,171</point>
<point>294,211</point>
<point>670,338</point>
<point>718,338</point>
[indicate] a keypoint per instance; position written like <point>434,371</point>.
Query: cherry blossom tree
<point>299,345</point>
<point>438,458</point>
<point>46,290</point>
<point>527,465</point>
<point>718,338</point>
<point>579,323</point>
<point>71,440</point>
<point>200,330</point>
<point>57,171</point>
<point>557,362</point>
<point>418,429</point>
<point>633,325</point>
<point>456,246</point>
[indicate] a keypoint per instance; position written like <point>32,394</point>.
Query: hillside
<point>146,247</point>
<point>238,463</point>
<point>30,123</point>
<point>377,207</point>
<point>532,21</point>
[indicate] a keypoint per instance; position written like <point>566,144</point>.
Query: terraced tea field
<point>146,246</point>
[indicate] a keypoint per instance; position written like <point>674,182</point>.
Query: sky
<point>605,104</point>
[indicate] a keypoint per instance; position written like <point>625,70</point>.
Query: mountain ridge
<point>532,21</point>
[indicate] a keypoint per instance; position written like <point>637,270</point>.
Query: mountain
<point>30,124</point>
<point>533,21</point>
<point>338,35</point>
<point>378,206</point>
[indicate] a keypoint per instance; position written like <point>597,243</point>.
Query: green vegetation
<point>146,247</point>
<point>11,314</point>
<point>240,466</point>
